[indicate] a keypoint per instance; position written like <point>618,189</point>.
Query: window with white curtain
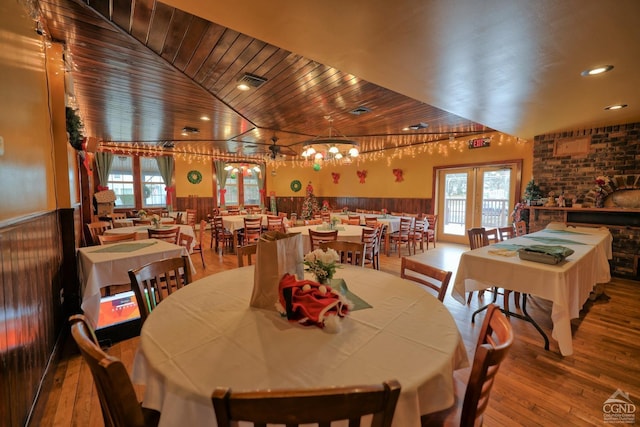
<point>121,181</point>
<point>153,187</point>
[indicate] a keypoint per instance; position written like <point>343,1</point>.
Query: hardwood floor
<point>534,387</point>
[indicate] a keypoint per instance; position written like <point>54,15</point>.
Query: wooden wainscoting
<point>30,310</point>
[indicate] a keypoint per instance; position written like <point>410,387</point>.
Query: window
<point>251,190</point>
<point>231,196</point>
<point>153,187</point>
<point>121,181</point>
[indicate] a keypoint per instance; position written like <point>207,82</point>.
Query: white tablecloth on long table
<point>205,335</point>
<point>567,285</point>
<point>352,233</point>
<point>143,233</point>
<point>392,222</point>
<point>105,265</point>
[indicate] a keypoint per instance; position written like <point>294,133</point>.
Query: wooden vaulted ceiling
<point>142,71</point>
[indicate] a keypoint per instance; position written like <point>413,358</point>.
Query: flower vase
<point>600,200</point>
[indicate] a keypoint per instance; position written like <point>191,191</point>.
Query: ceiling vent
<point>418,126</point>
<point>360,110</point>
<point>250,81</point>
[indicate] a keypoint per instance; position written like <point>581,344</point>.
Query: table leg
<point>387,245</point>
<point>235,241</point>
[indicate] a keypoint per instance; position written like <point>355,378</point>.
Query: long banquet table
<point>205,335</point>
<point>142,231</point>
<point>105,265</point>
<point>351,233</point>
<point>567,285</point>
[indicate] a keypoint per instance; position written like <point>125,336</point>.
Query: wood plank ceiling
<point>142,71</point>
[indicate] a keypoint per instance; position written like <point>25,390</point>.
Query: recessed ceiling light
<point>616,107</point>
<point>205,118</point>
<point>248,81</point>
<point>597,70</point>
<point>417,126</point>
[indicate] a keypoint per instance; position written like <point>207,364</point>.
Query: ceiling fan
<point>279,150</point>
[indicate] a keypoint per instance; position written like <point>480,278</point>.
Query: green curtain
<point>221,177</point>
<point>165,165</point>
<point>104,160</point>
<point>260,178</point>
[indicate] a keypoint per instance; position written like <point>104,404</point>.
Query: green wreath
<point>296,185</point>
<point>194,177</point>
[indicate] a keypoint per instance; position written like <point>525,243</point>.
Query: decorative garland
<point>74,128</point>
<point>194,177</point>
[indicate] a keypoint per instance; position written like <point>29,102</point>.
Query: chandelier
<point>332,147</point>
<point>245,169</point>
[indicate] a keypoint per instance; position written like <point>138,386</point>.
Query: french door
<point>480,196</point>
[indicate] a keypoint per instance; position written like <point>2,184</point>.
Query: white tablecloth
<point>129,222</point>
<point>206,335</point>
<point>142,231</point>
<point>392,222</point>
<point>567,285</point>
<point>352,233</point>
<point>236,222</point>
<point>101,266</point>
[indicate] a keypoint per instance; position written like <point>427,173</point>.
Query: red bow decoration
<point>170,191</point>
<point>222,191</point>
<point>398,174</point>
<point>362,175</point>
<point>336,177</point>
<point>102,188</point>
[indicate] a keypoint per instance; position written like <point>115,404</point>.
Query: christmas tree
<point>310,204</point>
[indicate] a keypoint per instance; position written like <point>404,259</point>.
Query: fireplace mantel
<point>608,217</point>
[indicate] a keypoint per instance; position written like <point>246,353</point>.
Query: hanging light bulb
<point>353,152</point>
<point>338,156</point>
<point>333,149</point>
<point>318,156</point>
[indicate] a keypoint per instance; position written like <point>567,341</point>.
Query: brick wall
<point>613,151</point>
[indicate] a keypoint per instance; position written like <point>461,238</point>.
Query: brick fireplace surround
<point>614,152</point>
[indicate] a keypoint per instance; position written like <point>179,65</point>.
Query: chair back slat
<point>171,235</point>
<point>308,406</point>
<point>154,281</point>
<point>317,237</point>
<point>115,390</point>
<point>477,237</point>
<point>421,273</point>
<point>106,239</point>
<point>349,252</point>
<point>245,252</point>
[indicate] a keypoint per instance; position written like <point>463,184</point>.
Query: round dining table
<point>142,231</point>
<point>206,335</point>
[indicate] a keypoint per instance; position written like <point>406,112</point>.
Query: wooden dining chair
<point>506,233</point>
<point>471,399</point>
<point>353,218</point>
<point>418,234</point>
<point>316,406</point>
<point>252,230</point>
<point>222,237</point>
<point>370,221</point>
<point>154,281</point>
<point>246,252</point>
<point>431,229</point>
<point>317,237</point>
<point>493,235</point>
<point>199,245</point>
<point>106,239</point>
<point>422,273</point>
<point>191,219</point>
<point>325,216</point>
<point>349,252</point>
<point>95,229</point>
<point>521,228</point>
<point>170,235</point>
<point>403,236</point>
<point>186,241</point>
<point>275,223</point>
<point>369,236</point>
<point>115,390</point>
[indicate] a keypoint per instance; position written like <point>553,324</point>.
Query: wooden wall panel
<point>30,254</point>
<point>204,205</point>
